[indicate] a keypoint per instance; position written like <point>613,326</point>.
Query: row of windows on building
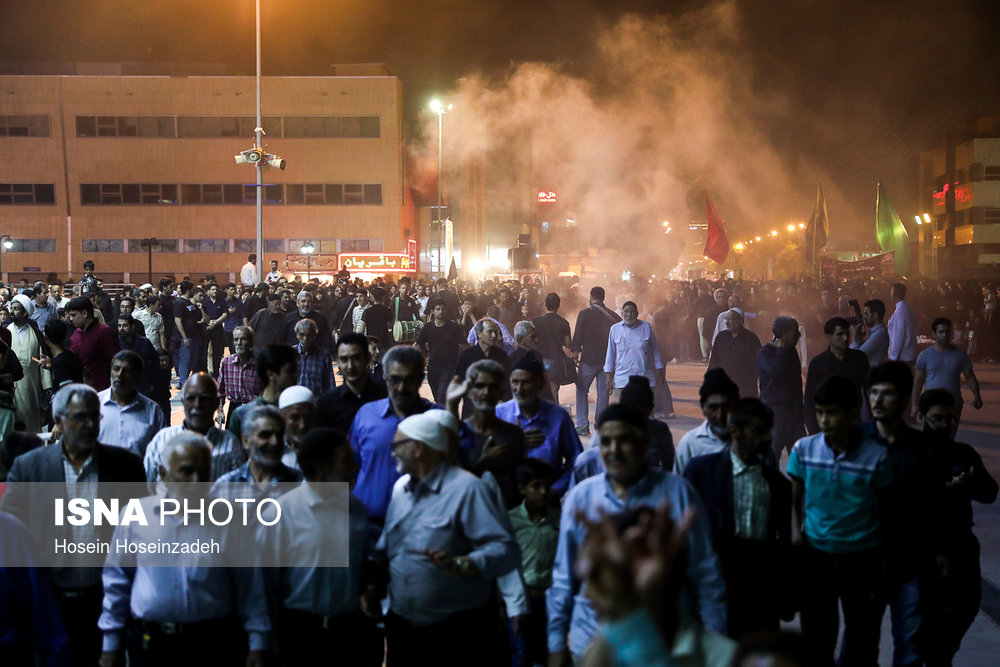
<point>156,194</point>
<point>201,127</point>
<point>241,246</point>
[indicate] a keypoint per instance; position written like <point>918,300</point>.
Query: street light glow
<point>927,218</point>
<point>918,219</point>
<point>791,228</point>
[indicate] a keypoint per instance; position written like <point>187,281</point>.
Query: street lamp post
<point>259,131</point>
<point>440,109</point>
<point>308,249</point>
<point>149,244</point>
<point>6,244</point>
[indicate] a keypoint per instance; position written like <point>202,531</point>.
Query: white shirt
<point>248,275</point>
<point>903,333</point>
<point>696,442</point>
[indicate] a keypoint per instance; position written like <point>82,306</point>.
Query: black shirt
<point>404,309</point>
<point>591,334</point>
<point>267,328</point>
<point>443,344</point>
<point>854,367</point>
<point>323,337</point>
<point>553,330</point>
<point>737,355</point>
<point>190,315</point>
<point>378,323</point>
<point>336,407</point>
<point>475,353</point>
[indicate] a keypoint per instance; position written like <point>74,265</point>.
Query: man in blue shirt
<point>840,486</point>
<point>942,366</point>
<point>375,424</point>
<point>548,429</point>
<point>128,419</point>
<point>632,350</point>
<point>627,483</point>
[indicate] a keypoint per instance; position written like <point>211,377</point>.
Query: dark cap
<point>717,382</point>
<point>530,363</point>
<point>273,297</point>
<point>637,392</point>
<point>616,412</point>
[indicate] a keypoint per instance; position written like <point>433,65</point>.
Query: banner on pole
<point>878,266</point>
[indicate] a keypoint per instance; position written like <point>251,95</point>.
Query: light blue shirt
<point>449,510</point>
<point>632,351</point>
<point>135,586</point>
<point>309,534</point>
<point>132,426</point>
<point>876,346</point>
<point>227,452</point>
<point>572,622</point>
<point>562,444</point>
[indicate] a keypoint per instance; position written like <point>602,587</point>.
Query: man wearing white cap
<point>27,343</point>
<point>445,540</point>
<point>298,407</point>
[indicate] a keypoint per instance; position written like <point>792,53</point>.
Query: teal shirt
<point>841,508</point>
<point>538,542</point>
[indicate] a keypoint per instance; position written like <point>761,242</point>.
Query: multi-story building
<point>98,161</point>
<point>960,202</point>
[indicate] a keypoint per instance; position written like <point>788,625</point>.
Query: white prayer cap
<point>25,303</point>
<point>736,311</point>
<point>425,428</point>
<point>445,418</point>
<point>145,286</point>
<point>294,395</point>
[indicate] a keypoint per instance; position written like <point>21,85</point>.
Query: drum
<point>406,332</point>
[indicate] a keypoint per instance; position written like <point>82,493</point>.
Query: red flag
<point>716,242</point>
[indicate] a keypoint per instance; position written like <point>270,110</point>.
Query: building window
<point>332,127</point>
<point>992,173</point>
<point>32,245</point>
<point>206,245</point>
<point>991,214</point>
<point>361,245</point>
<point>162,245</point>
<point>27,193</point>
<point>128,194</point>
<point>103,245</point>
<point>24,126</point>
<point>125,126</point>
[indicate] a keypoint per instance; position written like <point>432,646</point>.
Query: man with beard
<point>315,362</point>
<point>131,340</point>
<point>735,351</point>
<point>915,497</point>
<point>93,342</point>
<point>200,400</point>
<point>780,374</point>
<point>128,419</point>
<point>627,483</point>
<point>953,595</point>
<point>79,461</point>
<point>238,380</point>
<point>875,344</point>
<point>445,542</point>
<point>268,324</point>
<point>548,429</point>
<point>749,506</point>
<point>336,408</point>
<point>717,395</point>
<point>632,350</point>
<point>304,306</point>
<point>375,423</point>
<point>298,408</point>
<point>488,341</point>
<point>264,443</point>
<point>486,442</point>
<point>28,344</point>
<point>837,359</point>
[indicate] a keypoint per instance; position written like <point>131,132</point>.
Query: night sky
<point>845,92</point>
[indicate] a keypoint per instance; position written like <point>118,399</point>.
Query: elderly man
<point>264,443</point>
<point>488,346</point>
<point>375,422</point>
<point>304,310</point>
<point>446,540</point>
<point>268,324</point>
<point>337,406</point>
<point>315,362</point>
<point>190,613</point>
<point>93,342</point>
<point>238,380</point>
<point>735,351</point>
<point>526,337</point>
<point>298,408</point>
<point>488,443</point>
<point>128,419</point>
<point>627,483</point>
<point>319,608</point>
<point>28,344</point>
<point>717,395</point>
<point>632,350</point>
<point>548,429</point>
<point>780,374</point>
<point>79,461</point>
<point>200,400</point>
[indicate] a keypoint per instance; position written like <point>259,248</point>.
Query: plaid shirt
<point>239,383</point>
<point>751,500</point>
<point>315,369</point>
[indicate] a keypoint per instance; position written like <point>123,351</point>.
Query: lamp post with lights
<point>308,249</point>
<point>440,109</point>
<point>7,244</point>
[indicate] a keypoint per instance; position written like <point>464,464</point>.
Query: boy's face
<point>535,492</point>
<point>833,419</point>
<point>886,401</point>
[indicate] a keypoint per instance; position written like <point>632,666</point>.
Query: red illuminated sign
<point>546,197</point>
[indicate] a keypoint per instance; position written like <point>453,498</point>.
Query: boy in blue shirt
<point>840,479</point>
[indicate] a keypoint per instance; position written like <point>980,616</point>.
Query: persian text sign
<point>879,266</point>
<point>374,262</point>
<point>546,197</point>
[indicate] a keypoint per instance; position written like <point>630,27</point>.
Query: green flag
<point>889,231</point>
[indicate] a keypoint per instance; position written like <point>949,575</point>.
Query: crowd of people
<point>489,523</point>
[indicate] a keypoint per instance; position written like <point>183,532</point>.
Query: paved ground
<point>981,429</point>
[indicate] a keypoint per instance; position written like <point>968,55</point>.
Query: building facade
<point>98,164</point>
<point>960,203</point>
